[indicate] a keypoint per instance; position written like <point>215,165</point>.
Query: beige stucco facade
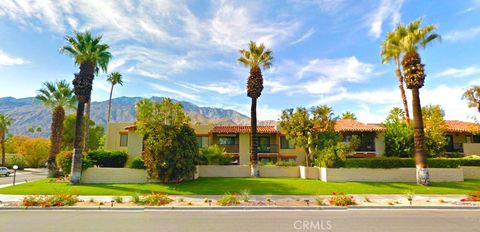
<point>463,143</point>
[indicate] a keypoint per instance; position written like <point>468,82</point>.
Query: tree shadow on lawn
<point>443,187</point>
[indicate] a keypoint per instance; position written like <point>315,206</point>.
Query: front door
<point>449,146</point>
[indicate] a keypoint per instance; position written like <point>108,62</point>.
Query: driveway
<point>29,174</point>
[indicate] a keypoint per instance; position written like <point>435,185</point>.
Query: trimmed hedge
<point>138,163</point>
<point>383,162</point>
<point>111,159</point>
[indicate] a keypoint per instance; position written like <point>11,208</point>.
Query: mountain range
<point>29,112</point>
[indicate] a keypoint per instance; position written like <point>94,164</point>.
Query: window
<point>226,141</point>
<point>123,140</point>
<point>285,143</point>
<point>476,139</point>
<point>367,141</point>
<point>202,141</point>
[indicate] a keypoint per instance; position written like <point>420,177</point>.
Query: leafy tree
<point>255,57</point>
<point>96,133</point>
<point>91,55</point>
<point>391,50</point>
<point>34,130</point>
<point>35,151</point>
<point>349,115</point>
<point>472,95</point>
<point>413,36</point>
<point>435,140</point>
<point>114,79</point>
<point>5,122</point>
<point>171,149</point>
<point>398,134</point>
<point>58,96</point>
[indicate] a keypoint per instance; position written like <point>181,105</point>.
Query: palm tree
<point>114,78</point>
<point>5,123</point>
<point>91,55</point>
<point>255,57</point>
<point>391,50</point>
<point>58,96</point>
<point>472,95</point>
<point>414,73</point>
<point>349,115</point>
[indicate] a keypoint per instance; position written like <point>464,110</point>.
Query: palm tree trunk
<point>58,116</point>
<point>423,176</point>
<point>402,91</point>
<point>253,114</point>
<point>87,127</point>
<point>2,141</point>
<point>77,145</point>
<point>109,105</point>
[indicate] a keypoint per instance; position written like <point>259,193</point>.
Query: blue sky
<point>326,51</point>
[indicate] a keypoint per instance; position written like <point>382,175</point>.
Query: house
<point>462,137</point>
<point>273,144</point>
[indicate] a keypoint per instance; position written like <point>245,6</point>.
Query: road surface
<point>258,221</point>
<point>22,175</point>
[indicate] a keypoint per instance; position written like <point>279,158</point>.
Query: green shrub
<point>286,163</point>
<point>155,199</point>
<point>64,162</point>
<point>135,198</point>
<point>216,155</point>
<point>15,159</point>
<point>453,155</point>
<point>60,199</point>
<point>385,162</point>
<point>228,199</point>
<point>138,163</point>
<point>112,159</point>
<point>118,199</point>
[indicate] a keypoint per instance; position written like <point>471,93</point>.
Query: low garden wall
<point>312,173</point>
<point>114,175</point>
<point>470,172</point>
<point>276,171</point>
<point>388,175</point>
<point>224,171</point>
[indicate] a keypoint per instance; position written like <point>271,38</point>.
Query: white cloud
<point>462,35</point>
<point>323,5</point>
<point>6,59</point>
<point>317,76</point>
<point>176,94</point>
<point>388,9</point>
<point>304,36</point>
<point>456,72</point>
<point>230,88</point>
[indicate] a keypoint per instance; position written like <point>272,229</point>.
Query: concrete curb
<point>236,208</point>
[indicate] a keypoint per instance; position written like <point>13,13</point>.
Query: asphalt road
<point>22,175</point>
<point>258,221</point>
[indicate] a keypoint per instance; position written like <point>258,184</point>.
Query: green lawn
<point>260,186</point>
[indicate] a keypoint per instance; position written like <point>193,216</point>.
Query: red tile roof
<point>350,125</point>
<point>456,126</point>
<point>132,127</point>
<point>244,129</point>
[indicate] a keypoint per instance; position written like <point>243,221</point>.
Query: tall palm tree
<point>114,78</point>
<point>59,96</point>
<point>349,115</point>
<point>391,50</point>
<point>255,57</point>
<point>91,55</point>
<point>414,73</point>
<point>5,122</point>
<point>472,95</point>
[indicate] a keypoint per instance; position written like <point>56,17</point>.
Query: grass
<point>257,186</point>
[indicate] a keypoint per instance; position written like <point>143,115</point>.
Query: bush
<point>112,159</point>
<point>155,199</point>
<point>15,159</point>
<point>61,199</point>
<point>64,161</point>
<point>138,163</point>
<point>118,199</point>
<point>286,163</point>
<point>341,199</point>
<point>384,162</point>
<point>228,199</point>
<point>216,155</point>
